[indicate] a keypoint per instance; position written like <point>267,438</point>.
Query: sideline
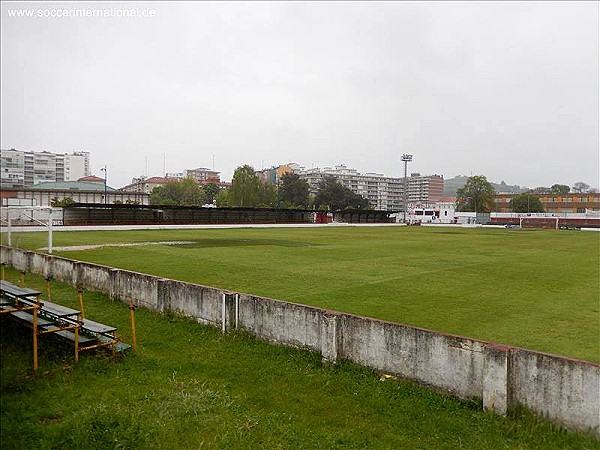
<point>59,228</point>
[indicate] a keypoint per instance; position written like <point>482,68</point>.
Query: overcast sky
<point>508,90</point>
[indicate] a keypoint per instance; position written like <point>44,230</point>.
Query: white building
<point>19,169</point>
<point>383,193</point>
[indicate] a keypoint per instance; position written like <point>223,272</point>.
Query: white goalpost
<point>11,213</point>
<point>539,222</point>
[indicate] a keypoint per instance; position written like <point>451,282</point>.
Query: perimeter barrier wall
<point>565,390</point>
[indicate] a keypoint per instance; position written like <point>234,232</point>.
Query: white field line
<point>350,286</point>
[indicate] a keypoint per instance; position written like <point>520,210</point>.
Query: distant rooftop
<point>71,186</point>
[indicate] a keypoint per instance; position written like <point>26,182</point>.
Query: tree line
<point>248,190</point>
<point>291,191</point>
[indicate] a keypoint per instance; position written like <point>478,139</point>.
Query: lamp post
<point>103,169</point>
<point>406,158</point>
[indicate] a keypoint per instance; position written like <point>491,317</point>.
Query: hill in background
<point>452,184</point>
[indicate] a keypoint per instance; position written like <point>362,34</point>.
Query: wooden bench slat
<point>26,317</point>
<point>58,310</point>
<point>70,336</point>
<point>96,327</point>
<point>16,291</point>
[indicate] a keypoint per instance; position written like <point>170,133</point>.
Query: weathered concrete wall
<point>41,264</point>
<point>282,322</point>
<point>64,270</point>
<point>440,360</point>
<point>200,302</point>
<point>135,287</point>
<point>565,390</point>
<point>19,259</point>
<point>93,277</point>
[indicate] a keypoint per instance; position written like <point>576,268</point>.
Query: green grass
<point>537,289</point>
<point>190,387</point>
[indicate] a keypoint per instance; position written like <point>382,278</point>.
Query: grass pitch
<point>537,289</point>
<point>190,387</point>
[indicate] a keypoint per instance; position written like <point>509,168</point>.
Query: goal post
<point>10,213</point>
<point>539,222</point>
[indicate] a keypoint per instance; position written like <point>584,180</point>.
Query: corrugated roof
<point>71,186</point>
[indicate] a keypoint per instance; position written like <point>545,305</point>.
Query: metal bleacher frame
<point>44,317</point>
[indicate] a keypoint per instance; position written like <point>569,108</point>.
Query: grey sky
<point>508,90</point>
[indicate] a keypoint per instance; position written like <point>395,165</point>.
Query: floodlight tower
<point>103,169</point>
<point>406,158</point>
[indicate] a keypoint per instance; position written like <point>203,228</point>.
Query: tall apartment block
<point>425,190</point>
<point>21,169</point>
<point>383,193</point>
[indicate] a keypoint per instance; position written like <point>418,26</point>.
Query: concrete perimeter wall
<point>565,390</point>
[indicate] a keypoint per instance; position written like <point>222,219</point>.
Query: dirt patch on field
<point>77,248</point>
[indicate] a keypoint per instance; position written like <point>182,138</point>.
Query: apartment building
<point>425,189</point>
<point>383,193</point>
<point>202,175</point>
<point>21,169</point>
<point>273,174</point>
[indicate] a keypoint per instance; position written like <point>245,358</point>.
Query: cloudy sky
<point>504,89</point>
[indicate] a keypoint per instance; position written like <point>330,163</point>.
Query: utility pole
<point>406,158</point>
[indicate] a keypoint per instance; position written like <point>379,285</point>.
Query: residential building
<point>425,189</point>
<point>21,169</point>
<point>146,185</point>
<point>202,175</point>
<point>273,174</point>
<point>383,193</point>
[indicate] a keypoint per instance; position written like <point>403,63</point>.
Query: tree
<point>526,203</point>
<point>245,187</point>
<point>542,190</point>
<point>560,189</point>
<point>267,196</point>
<point>179,192</point>
<point>580,187</point>
<point>56,203</point>
<point>293,190</point>
<point>210,192</point>
<point>476,195</point>
<point>333,195</point>
<point>222,198</point>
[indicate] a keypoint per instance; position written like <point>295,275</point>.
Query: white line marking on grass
<point>385,280</point>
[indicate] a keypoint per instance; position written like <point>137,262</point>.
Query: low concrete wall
<point>567,391</point>
<point>440,360</point>
<point>282,322</point>
<point>200,302</point>
<point>564,390</point>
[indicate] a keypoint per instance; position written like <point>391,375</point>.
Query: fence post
<point>496,382</point>
<point>329,336</point>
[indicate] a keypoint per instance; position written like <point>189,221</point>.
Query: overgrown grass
<point>537,289</point>
<point>191,387</point>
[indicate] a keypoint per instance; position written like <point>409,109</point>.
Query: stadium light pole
<point>103,169</point>
<point>406,158</point>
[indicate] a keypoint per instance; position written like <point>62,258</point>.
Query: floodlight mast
<point>104,169</point>
<point>406,158</point>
